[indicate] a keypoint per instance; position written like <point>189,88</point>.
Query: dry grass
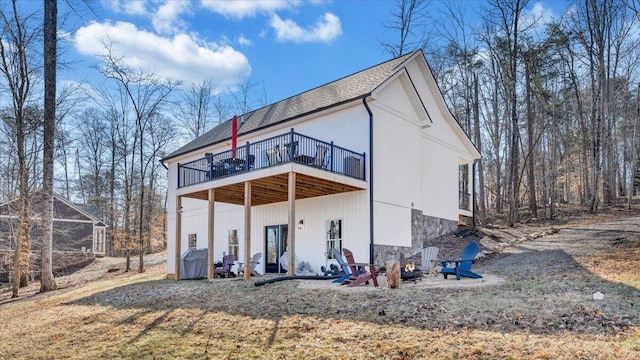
<point>535,303</point>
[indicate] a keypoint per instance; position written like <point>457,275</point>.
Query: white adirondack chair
<point>429,257</point>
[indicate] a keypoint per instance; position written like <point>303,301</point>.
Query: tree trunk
<point>634,152</point>
<point>482,211</point>
<point>47,282</point>
<point>514,155</point>
<point>531,181</point>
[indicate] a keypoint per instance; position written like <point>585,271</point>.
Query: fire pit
<point>410,272</point>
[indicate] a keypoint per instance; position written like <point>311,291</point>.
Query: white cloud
<point>242,40</point>
<point>138,7</point>
<point>167,18</point>
<point>537,17</point>
<point>325,29</point>
<point>180,57</point>
<point>163,14</point>
<point>246,8</point>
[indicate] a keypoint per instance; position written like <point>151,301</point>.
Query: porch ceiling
<point>273,189</point>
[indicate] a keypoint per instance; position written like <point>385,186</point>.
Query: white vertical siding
<point>397,161</point>
<point>351,208</point>
<point>440,181</point>
<point>310,242</point>
<point>392,224</point>
<point>414,167</point>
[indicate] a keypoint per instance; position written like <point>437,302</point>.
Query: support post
<point>178,235</point>
<point>210,233</point>
<point>247,230</point>
<point>331,158</point>
<point>246,157</point>
<point>292,223</point>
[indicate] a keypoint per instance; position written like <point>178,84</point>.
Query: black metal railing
<point>464,200</point>
<point>285,148</point>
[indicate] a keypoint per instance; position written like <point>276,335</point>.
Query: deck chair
<point>291,151</point>
<point>255,260</point>
<point>227,263</point>
<point>252,160</point>
<point>462,266</point>
<point>274,156</point>
<point>359,274</point>
<point>343,265</point>
<point>320,158</point>
<point>429,258</point>
<point>353,268</point>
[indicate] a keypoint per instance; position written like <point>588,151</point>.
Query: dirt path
<point>578,244</point>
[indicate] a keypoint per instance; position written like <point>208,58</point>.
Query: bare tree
<point>93,145</point>
<point>506,16</point>
<point>195,109</point>
<point>407,21</point>
<point>243,104</point>
<point>17,37</point>
<point>146,93</point>
<point>161,133</point>
<point>68,100</point>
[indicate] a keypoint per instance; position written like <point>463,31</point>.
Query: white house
<point>373,162</point>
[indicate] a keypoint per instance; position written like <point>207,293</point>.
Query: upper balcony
<point>290,147</point>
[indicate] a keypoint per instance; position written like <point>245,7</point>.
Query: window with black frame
<point>193,241</point>
<point>334,237</point>
<point>233,243</point>
<point>464,198</point>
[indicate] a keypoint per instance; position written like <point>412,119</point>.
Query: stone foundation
<point>423,229</point>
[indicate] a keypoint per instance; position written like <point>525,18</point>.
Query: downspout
<point>364,102</point>
<point>473,186</point>
<point>163,165</point>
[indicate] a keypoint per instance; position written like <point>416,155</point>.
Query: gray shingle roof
<point>338,92</point>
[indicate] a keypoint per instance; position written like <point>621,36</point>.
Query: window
<point>193,241</point>
<point>233,243</point>
<point>334,237</point>
<point>464,197</point>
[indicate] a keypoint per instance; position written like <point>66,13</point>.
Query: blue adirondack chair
<point>462,266</point>
<point>343,265</point>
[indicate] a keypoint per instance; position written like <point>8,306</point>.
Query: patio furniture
<point>291,151</point>
<point>462,266</point>
<point>429,259</point>
<point>362,276</point>
<point>343,264</point>
<point>225,270</point>
<point>194,264</point>
<point>320,158</point>
<point>273,156</point>
<point>251,162</point>
<point>255,260</point>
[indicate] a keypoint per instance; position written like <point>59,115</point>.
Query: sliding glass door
<point>275,245</point>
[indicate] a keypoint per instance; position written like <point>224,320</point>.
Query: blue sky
<point>285,46</point>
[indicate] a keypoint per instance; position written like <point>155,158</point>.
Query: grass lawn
<point>541,309</point>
